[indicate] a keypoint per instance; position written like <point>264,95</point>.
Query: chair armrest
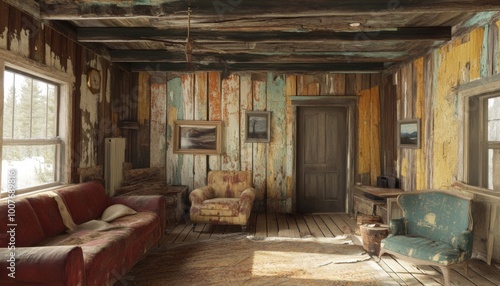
<point>397,226</point>
<point>465,241</point>
<point>49,265</point>
<point>246,199</point>
<point>197,196</point>
<point>152,203</point>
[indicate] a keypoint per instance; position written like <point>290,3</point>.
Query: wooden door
<point>322,159</point>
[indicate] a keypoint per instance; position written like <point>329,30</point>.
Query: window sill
<point>476,190</point>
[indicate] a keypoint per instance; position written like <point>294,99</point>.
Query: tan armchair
<point>227,199</point>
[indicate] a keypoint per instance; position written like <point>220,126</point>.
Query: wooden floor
<point>330,225</point>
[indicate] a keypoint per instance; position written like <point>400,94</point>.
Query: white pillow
<point>116,211</point>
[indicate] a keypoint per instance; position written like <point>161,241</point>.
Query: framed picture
<point>409,133</point>
<point>197,137</point>
<point>257,126</point>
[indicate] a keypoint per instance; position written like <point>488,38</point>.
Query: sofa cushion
<point>424,249</point>
<point>27,228</point>
<point>85,201</point>
<point>48,214</point>
<point>220,207</point>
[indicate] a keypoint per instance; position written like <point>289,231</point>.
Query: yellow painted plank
<point>364,132</point>
<point>375,134</point>
<point>419,113</point>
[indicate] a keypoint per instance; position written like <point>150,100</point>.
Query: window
<point>31,145</point>
<point>484,141</point>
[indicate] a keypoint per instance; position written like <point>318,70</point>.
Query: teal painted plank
<point>175,110</point>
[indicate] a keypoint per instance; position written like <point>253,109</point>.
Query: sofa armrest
<point>397,226</point>
<point>50,265</point>
<point>151,203</point>
<point>246,199</point>
<point>197,196</point>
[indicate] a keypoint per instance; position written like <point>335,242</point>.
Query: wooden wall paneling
<point>276,164</point>
<point>14,31</point>
<point>187,166</point>
<point>496,50</point>
<point>231,118</point>
<point>399,151</point>
<point>388,126</point>
<point>175,110</point>
<point>428,124</point>
<point>214,111</point>
<point>55,48</point>
<point>309,84</point>
<point>419,84</point>
<point>158,119</point>
<point>291,90</point>
<point>36,40</point>
<point>337,84</point>
<point>77,147</point>
<point>200,113</point>
<point>364,140</point>
<point>105,115</point>
<point>374,134</point>
<point>144,120</point>
<point>4,23</point>
<point>47,35</point>
<point>246,103</point>
<point>350,84</point>
<point>260,150</point>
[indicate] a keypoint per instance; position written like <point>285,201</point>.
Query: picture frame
<point>408,133</point>
<point>197,137</point>
<point>257,126</point>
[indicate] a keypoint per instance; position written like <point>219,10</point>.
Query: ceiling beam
<point>179,35</point>
<point>251,67</point>
<point>87,9</point>
<point>318,57</point>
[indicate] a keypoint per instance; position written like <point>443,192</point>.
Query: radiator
<point>114,157</point>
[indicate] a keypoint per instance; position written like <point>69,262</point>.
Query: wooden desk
<point>382,203</point>
<point>379,192</point>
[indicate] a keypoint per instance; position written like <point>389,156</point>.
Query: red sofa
<point>45,254</point>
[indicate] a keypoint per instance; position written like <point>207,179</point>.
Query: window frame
<point>65,81</point>
<point>468,98</point>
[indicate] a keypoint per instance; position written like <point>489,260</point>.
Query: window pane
<point>8,104</point>
<point>494,169</point>
<point>494,119</point>
<point>35,165</point>
<point>22,122</point>
<point>39,113</point>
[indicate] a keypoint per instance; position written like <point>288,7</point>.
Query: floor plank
<point>274,224</point>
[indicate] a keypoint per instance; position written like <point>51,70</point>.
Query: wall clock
<point>94,80</point>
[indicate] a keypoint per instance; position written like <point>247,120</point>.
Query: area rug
<point>242,260</point>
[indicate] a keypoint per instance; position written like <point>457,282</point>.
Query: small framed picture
<point>197,137</point>
<point>409,133</point>
<point>257,126</point>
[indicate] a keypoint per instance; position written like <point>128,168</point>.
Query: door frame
<point>348,102</point>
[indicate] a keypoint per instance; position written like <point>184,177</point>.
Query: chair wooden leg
<point>193,226</point>
<point>243,228</point>
<point>446,275</point>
